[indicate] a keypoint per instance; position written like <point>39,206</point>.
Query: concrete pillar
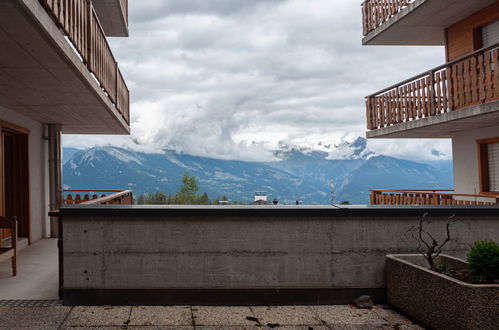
<point>55,174</point>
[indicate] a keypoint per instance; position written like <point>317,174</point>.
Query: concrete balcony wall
<point>148,249</point>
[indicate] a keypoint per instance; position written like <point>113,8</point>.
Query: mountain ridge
<point>299,174</point>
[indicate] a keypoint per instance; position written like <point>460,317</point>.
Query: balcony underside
<point>423,22</point>
<point>42,77</point>
<point>443,125</point>
<point>113,17</point>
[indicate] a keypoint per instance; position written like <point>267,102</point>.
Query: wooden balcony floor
<point>37,273</point>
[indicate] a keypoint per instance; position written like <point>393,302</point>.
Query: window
<point>490,34</point>
<point>488,158</point>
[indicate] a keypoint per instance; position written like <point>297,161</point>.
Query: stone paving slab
<point>161,316</point>
<point>286,315</point>
<point>218,316</point>
<point>348,315</point>
<point>98,316</point>
<point>203,318</point>
<point>32,317</point>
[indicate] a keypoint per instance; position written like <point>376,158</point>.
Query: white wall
<point>38,167</point>
<point>465,158</point>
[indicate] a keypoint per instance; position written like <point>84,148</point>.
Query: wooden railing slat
<point>79,22</point>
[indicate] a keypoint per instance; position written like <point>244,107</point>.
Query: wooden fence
<point>470,80</point>
<point>103,197</point>
<point>429,197</point>
<point>376,12</point>
<point>79,22</point>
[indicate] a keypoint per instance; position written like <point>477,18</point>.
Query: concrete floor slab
<point>37,273</point>
<point>32,317</point>
<point>161,316</point>
<point>98,316</point>
<point>217,316</point>
<point>286,315</point>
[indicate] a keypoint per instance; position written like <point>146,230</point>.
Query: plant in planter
<point>440,296</point>
<point>428,245</point>
<point>483,262</point>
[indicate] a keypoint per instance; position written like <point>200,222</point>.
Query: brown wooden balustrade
<point>78,21</point>
<point>103,197</point>
<point>470,80</point>
<point>429,197</point>
<point>376,12</point>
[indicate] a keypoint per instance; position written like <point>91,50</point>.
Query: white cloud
<point>205,76</point>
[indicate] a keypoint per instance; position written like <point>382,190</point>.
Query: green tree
<point>188,189</point>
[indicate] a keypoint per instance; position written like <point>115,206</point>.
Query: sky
<point>210,78</point>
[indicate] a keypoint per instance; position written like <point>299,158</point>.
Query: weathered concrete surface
<point>235,252</point>
<point>437,300</point>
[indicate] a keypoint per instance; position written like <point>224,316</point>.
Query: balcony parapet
<point>467,81</point>
<point>376,12</point>
<point>79,22</point>
<point>97,197</point>
<point>433,197</point>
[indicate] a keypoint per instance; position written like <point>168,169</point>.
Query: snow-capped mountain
<point>301,172</point>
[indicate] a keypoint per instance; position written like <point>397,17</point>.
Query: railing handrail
<point>438,68</point>
<point>372,19</point>
<point>93,190</point>
<point>435,193</point>
<point>414,190</point>
<point>105,199</point>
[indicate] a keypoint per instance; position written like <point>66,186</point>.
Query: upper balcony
<point>460,95</point>
<point>113,15</point>
<point>57,67</point>
<point>414,22</point>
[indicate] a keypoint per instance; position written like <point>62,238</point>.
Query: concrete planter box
<point>439,301</point>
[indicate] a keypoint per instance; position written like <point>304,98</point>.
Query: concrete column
<point>55,174</point>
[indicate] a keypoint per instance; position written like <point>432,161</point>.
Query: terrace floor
<point>202,317</point>
<point>37,273</point>
<point>29,301</point>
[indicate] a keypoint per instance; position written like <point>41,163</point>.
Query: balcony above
<point>56,67</point>
<point>414,22</point>
<point>460,95</point>
<point>113,16</point>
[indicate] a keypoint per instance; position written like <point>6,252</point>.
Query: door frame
<point>21,135</point>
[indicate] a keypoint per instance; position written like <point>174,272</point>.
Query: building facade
<point>457,100</point>
<point>58,76</point>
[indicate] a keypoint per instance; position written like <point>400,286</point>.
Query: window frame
<point>483,165</point>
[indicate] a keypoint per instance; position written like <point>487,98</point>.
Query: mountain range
<point>302,174</point>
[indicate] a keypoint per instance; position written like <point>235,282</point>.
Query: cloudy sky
<point>208,77</point>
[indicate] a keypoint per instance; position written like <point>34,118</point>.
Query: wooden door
<point>14,180</point>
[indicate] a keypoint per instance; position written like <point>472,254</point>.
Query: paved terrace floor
<point>38,280</point>
<point>37,273</point>
<point>202,317</point>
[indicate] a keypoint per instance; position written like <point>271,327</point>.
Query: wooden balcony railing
<point>78,21</point>
<point>429,197</point>
<point>103,197</point>
<point>470,80</point>
<point>376,12</point>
